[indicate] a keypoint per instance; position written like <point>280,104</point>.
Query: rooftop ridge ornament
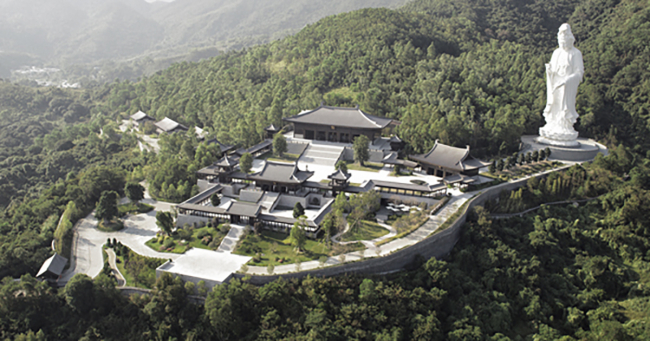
<point>563,75</point>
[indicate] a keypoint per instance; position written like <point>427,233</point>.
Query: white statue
<point>563,75</point>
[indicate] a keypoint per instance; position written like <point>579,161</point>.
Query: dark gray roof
<point>272,127</point>
<point>224,147</point>
<point>340,117</point>
<point>281,172</point>
<point>446,156</point>
<point>392,159</point>
<point>339,175</point>
<point>244,209</point>
<point>167,124</point>
<point>204,195</point>
<point>408,186</point>
<point>140,116</point>
<point>202,208</point>
<point>394,138</point>
<point>228,161</point>
<point>54,265</point>
<point>458,178</point>
<point>254,149</point>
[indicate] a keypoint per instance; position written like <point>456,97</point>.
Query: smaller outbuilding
<point>443,161</point>
<point>140,118</point>
<point>52,268</point>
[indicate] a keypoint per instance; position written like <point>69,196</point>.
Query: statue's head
<point>564,37</point>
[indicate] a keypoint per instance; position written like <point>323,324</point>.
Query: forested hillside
<point>444,76</point>
<point>463,71</point>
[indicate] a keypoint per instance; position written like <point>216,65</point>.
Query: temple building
<point>220,171</point>
<point>167,125</point>
<point>280,177</point>
<point>337,124</point>
<point>444,161</point>
<point>140,118</point>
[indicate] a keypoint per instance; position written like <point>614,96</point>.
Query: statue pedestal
<point>585,151</point>
<point>560,139</point>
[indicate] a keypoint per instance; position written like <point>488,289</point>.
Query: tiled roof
<point>54,264</point>
<point>281,172</point>
<point>139,116</point>
<point>167,124</point>
<point>340,117</point>
<point>448,157</point>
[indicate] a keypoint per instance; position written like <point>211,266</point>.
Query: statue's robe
<point>562,80</point>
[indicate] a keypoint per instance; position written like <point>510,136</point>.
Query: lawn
<point>141,271</point>
<point>275,248</point>
<point>133,208</point>
<point>367,166</point>
<point>183,239</point>
<point>366,230</point>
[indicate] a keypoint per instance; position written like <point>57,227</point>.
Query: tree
<point>134,191</point>
<point>79,293</point>
<point>508,162</point>
<point>246,162</point>
<point>542,155</point>
<point>500,165</point>
<point>520,159</point>
<point>279,144</point>
<point>298,236</point>
<point>298,210</point>
<point>215,200</point>
<point>547,150</point>
<point>343,166</point>
<point>165,221</point>
<point>360,148</point>
<point>535,156</point>
<point>107,206</point>
<point>529,157</point>
<point>493,167</point>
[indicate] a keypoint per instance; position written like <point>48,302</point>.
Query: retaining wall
<point>438,245</point>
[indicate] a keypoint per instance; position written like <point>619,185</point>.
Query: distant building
<point>167,125</point>
<point>337,124</point>
<point>52,268</point>
<point>444,161</point>
<point>140,118</point>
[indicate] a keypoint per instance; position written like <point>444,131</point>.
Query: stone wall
<point>438,245</point>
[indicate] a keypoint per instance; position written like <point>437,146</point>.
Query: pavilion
<point>443,161</point>
<point>337,124</point>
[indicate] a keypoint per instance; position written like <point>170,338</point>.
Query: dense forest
<point>467,72</point>
<point>566,272</point>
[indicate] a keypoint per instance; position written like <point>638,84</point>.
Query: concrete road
<point>88,240</point>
